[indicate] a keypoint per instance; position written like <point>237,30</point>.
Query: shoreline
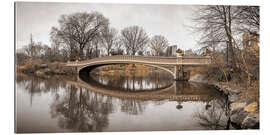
<point>242,114</point>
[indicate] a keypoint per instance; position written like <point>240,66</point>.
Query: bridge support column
<point>77,70</point>
<point>176,73</point>
<point>180,74</point>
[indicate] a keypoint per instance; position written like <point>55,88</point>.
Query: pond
<point>134,101</point>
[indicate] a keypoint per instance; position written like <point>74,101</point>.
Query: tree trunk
<point>133,52</point>
<point>108,52</point>
<point>243,60</point>
<point>231,54</point>
<point>233,64</point>
<point>81,53</point>
<point>96,51</point>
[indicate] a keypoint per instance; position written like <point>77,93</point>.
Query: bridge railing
<point>147,59</point>
<point>196,61</point>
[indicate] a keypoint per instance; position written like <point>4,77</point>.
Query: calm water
<point>116,103</point>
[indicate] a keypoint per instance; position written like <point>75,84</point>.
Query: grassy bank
<point>45,69</point>
<point>128,70</point>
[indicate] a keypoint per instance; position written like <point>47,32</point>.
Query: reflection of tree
<point>81,110</point>
<point>36,86</point>
<point>187,88</point>
<point>215,115</point>
<point>159,102</point>
<point>76,109</point>
<point>132,106</point>
<point>131,81</point>
<point>20,79</point>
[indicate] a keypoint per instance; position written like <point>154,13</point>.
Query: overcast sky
<point>170,21</point>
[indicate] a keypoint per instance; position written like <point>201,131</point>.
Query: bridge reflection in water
<point>86,104</point>
<point>177,91</point>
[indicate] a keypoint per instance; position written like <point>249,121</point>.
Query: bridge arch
<point>89,67</point>
<point>164,63</point>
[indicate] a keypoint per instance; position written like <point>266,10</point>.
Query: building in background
<point>251,43</point>
<point>189,52</point>
<point>171,51</point>
<point>148,53</point>
<point>250,40</point>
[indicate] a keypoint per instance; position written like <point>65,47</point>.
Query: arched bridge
<point>173,65</point>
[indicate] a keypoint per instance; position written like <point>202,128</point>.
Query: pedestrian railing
<point>203,60</point>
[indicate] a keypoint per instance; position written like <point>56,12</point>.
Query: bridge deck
<point>197,60</point>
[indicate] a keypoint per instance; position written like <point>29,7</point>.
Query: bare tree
<point>95,43</point>
<point>119,45</point>
<point>158,44</point>
<point>248,19</point>
<point>81,28</point>
<point>68,45</point>
<point>134,38</point>
<point>108,38</point>
<point>21,58</point>
<point>33,50</point>
<point>222,25</point>
<point>89,51</point>
<point>215,22</point>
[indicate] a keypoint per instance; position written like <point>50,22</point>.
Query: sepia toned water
<point>116,103</point>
